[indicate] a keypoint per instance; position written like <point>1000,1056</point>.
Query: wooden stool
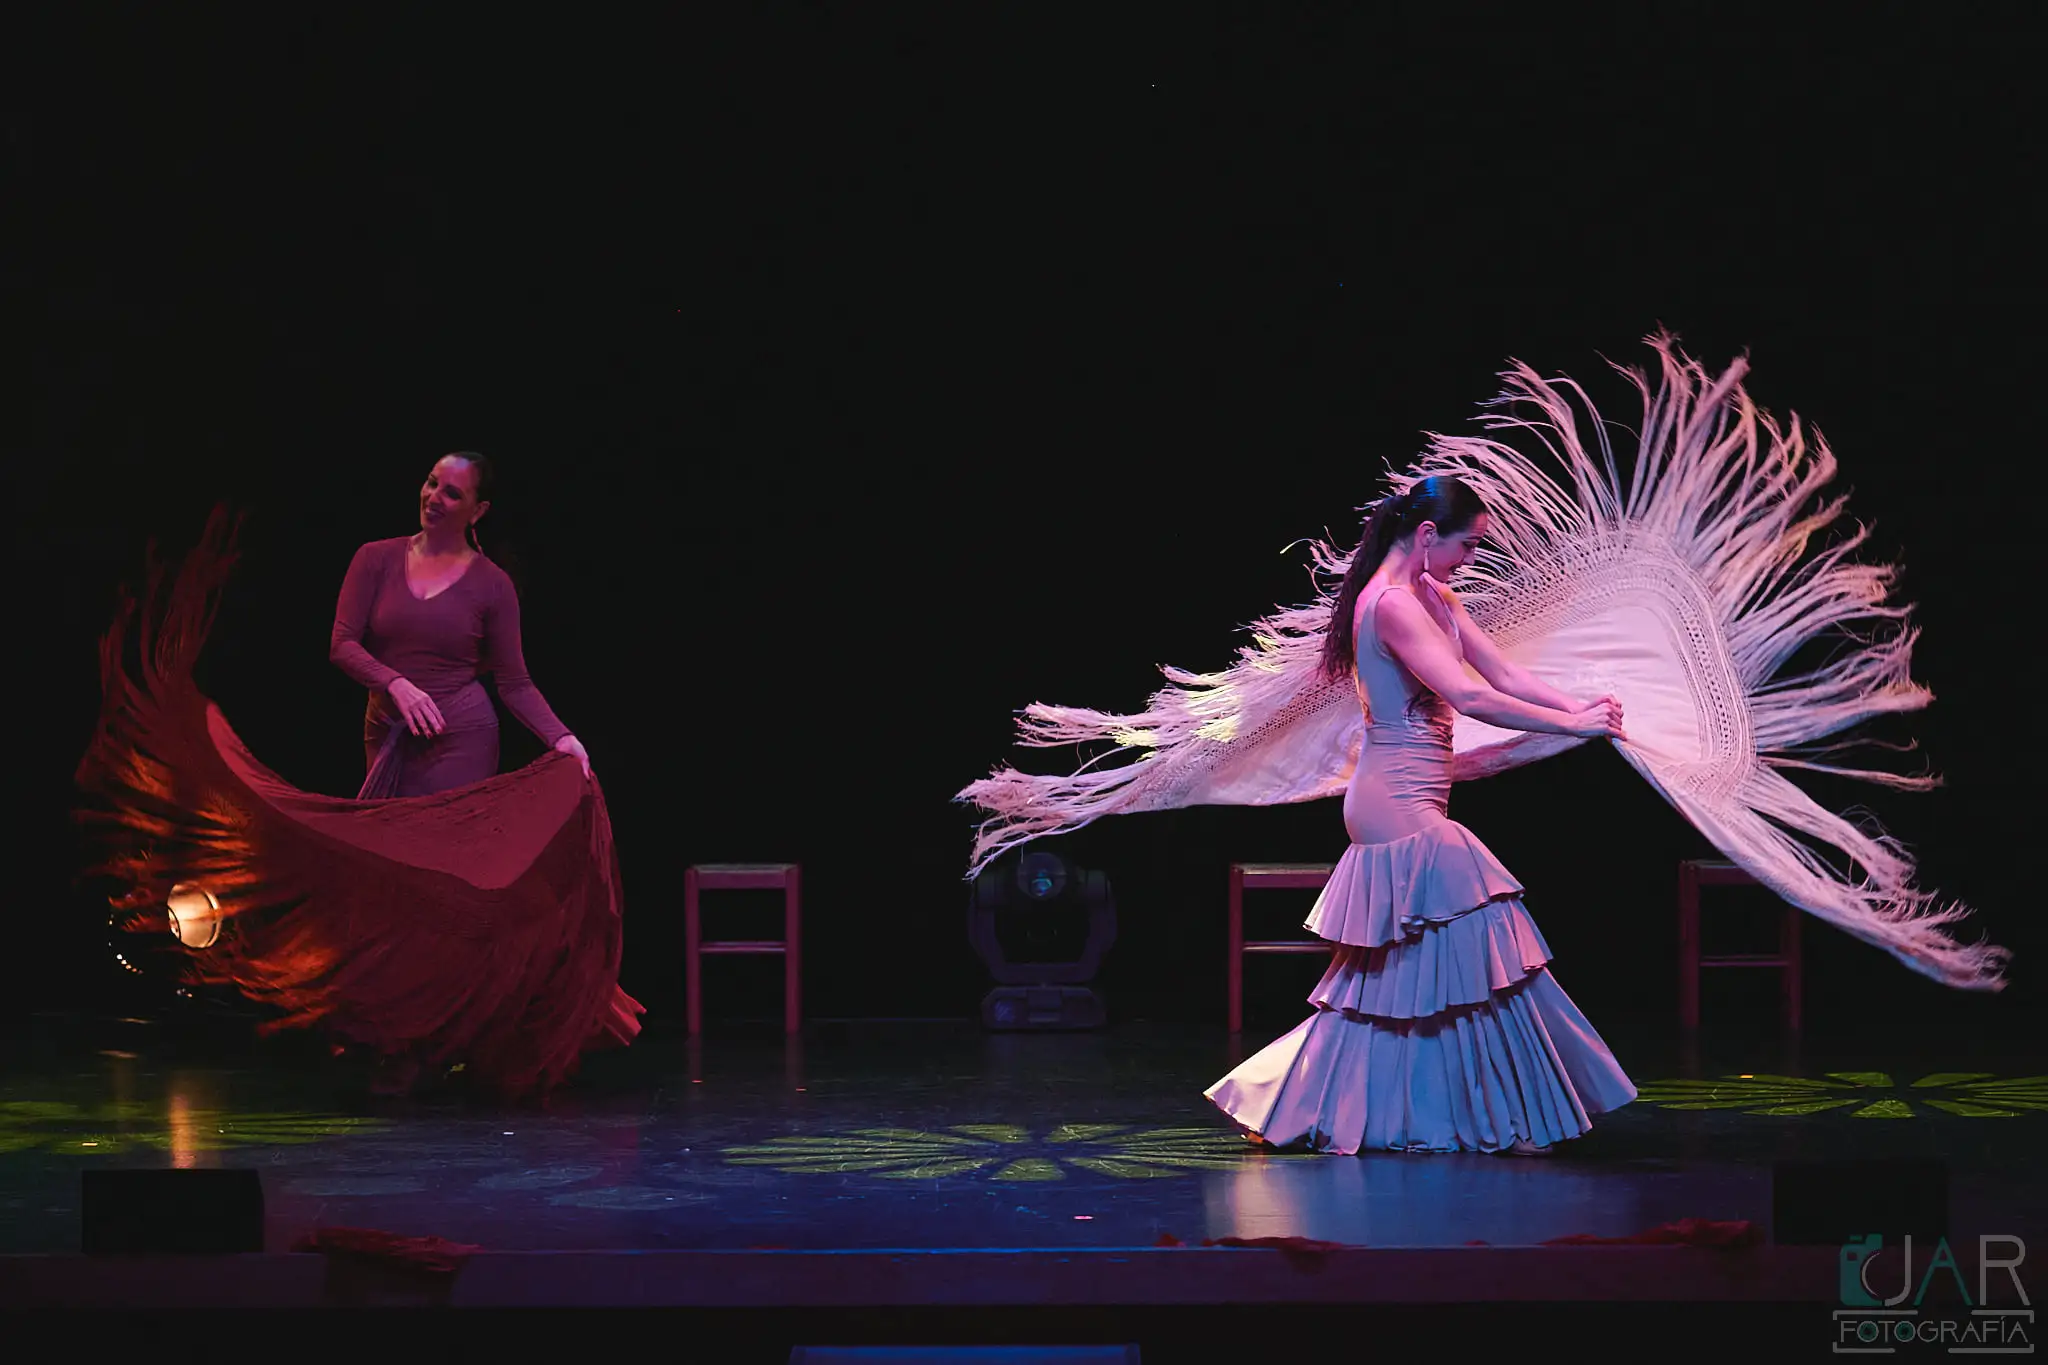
<point>744,877</point>
<point>1694,874</point>
<point>1273,877</point>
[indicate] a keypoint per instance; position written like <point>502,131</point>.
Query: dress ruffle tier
<point>1438,1026</point>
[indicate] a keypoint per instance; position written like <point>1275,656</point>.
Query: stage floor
<point>938,1136</point>
<point>931,1183</point>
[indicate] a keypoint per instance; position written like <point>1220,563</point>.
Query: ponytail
<point>1340,644</point>
<point>486,486</point>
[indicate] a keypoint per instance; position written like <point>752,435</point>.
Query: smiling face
<point>448,501</point>
<point>1443,555</point>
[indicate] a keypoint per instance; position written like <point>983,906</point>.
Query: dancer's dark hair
<point>486,481</point>
<point>1452,505</point>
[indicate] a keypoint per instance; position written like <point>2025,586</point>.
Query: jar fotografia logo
<point>1898,1300</point>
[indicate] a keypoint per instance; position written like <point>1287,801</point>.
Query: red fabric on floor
<point>1694,1232</point>
<point>435,1255</point>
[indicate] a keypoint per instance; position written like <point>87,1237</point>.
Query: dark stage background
<point>856,381</point>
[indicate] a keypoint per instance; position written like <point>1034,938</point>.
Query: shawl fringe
<point>1716,522</point>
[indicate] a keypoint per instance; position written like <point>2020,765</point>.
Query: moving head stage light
<point>1042,925</point>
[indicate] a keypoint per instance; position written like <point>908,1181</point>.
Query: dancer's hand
<point>422,717</point>
<point>569,744</point>
<point>1609,699</point>
<point>1601,720</point>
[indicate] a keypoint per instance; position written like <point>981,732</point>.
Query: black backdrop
<point>855,382</point>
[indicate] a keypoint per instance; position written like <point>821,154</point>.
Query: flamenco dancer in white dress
<point>1438,1026</point>
<point>1686,587</point>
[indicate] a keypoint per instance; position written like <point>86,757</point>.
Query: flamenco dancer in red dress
<point>421,620</point>
<point>449,914</point>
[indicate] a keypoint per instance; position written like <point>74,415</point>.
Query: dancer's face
<point>1443,555</point>
<point>448,497</point>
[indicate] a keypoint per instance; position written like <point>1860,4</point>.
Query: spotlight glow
<point>195,915</point>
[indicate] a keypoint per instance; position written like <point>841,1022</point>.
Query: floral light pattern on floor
<point>112,1129</point>
<point>1871,1094</point>
<point>1002,1151</point>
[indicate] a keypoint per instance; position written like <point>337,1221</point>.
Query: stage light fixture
<point>195,915</point>
<point>1042,925</point>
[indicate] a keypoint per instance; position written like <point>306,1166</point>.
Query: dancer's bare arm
<point>1503,673</point>
<point>1413,637</point>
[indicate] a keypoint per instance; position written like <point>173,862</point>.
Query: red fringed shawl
<point>478,926</point>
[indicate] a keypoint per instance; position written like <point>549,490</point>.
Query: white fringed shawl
<point>1683,589</point>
